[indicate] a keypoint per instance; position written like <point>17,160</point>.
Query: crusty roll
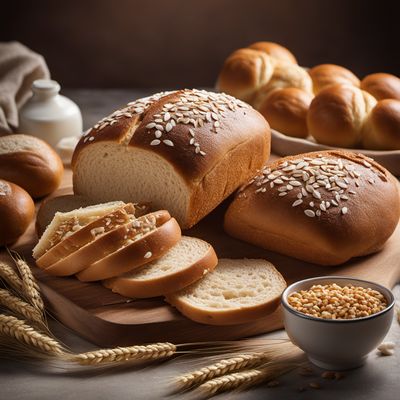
<point>16,212</point>
<point>337,114</point>
<point>30,163</point>
<point>184,152</point>
<point>274,50</point>
<point>285,75</point>
<point>382,127</point>
<point>323,207</point>
<point>325,75</point>
<point>286,111</point>
<point>244,72</point>
<point>382,86</point>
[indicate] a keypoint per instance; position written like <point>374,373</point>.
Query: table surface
<point>378,379</point>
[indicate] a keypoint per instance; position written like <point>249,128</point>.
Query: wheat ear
<point>149,352</point>
<point>29,285</point>
<point>20,307</point>
<point>8,275</point>
<point>219,368</point>
<point>18,329</point>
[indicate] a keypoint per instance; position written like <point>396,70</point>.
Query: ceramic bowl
<point>342,343</point>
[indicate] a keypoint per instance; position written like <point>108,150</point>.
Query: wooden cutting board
<point>108,319</point>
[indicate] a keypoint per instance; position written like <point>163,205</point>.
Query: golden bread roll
<point>382,128</point>
<point>244,72</point>
<point>286,111</point>
<point>325,75</point>
<point>337,114</point>
<point>285,75</point>
<point>16,212</point>
<point>382,86</point>
<point>323,207</point>
<point>274,50</point>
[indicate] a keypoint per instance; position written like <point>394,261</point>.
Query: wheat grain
<point>219,368</point>
<point>18,329</point>
<point>10,277</point>
<point>118,354</point>
<point>29,285</point>
<point>20,307</point>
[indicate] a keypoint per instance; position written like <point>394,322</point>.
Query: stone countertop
<point>378,379</point>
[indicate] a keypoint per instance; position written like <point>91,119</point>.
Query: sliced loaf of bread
<point>108,243</point>
<point>185,263</point>
<point>136,250</point>
<point>87,234</point>
<point>236,292</point>
<point>64,224</point>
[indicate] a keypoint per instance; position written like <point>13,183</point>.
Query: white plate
<point>283,145</point>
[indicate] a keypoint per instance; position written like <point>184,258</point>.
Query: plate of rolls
<point>320,108</point>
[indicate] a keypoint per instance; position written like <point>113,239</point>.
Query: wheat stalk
<point>22,332</point>
<point>219,368</point>
<point>20,307</point>
<point>29,286</point>
<point>148,352</point>
<point>8,274</point>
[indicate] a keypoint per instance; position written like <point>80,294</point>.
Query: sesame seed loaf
<point>185,263</point>
<point>86,234</point>
<point>134,252</point>
<point>63,223</point>
<point>236,292</point>
<point>184,151</point>
<point>108,243</point>
<point>322,207</point>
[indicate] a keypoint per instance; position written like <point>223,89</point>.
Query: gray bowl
<point>342,343</point>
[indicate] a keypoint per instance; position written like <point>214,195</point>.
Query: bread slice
<point>87,234</point>
<point>70,202</point>
<point>135,252</point>
<point>108,243</point>
<point>188,261</point>
<point>63,224</point>
<point>236,292</point>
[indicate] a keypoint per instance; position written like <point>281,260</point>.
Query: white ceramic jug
<point>48,115</point>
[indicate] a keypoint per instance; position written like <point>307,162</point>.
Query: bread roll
<point>323,207</point>
<point>16,212</point>
<point>382,86</point>
<point>325,75</point>
<point>337,114</point>
<point>184,152</point>
<point>244,72</point>
<point>285,75</point>
<point>286,111</point>
<point>30,163</point>
<point>382,127</point>
<point>274,50</point>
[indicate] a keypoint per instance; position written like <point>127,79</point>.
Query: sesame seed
<point>168,143</point>
<point>309,213</point>
<point>297,203</point>
<point>155,142</point>
<point>148,254</point>
<point>344,210</point>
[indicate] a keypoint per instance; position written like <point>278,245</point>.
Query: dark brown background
<point>182,43</point>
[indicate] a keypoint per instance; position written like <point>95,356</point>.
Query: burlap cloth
<point>19,67</point>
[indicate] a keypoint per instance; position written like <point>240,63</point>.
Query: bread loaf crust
<point>274,50</point>
<point>358,226</point>
<point>230,149</point>
<point>16,212</point>
<point>38,170</point>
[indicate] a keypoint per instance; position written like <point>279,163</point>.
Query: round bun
<point>337,115</point>
<point>243,72</point>
<point>325,75</point>
<point>30,163</point>
<point>286,111</point>
<point>382,128</point>
<point>16,212</point>
<point>324,207</point>
<point>274,50</point>
<point>382,86</point>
